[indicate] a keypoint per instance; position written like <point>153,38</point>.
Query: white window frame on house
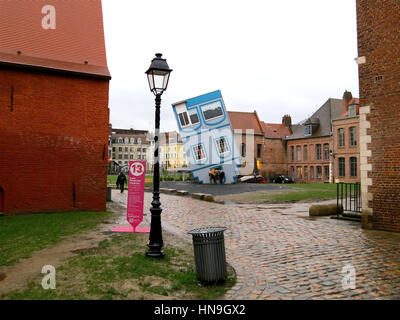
<point>184,119</point>
<point>209,106</point>
<point>222,145</point>
<point>308,130</point>
<point>199,150</point>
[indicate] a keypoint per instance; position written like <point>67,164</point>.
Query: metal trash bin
<point>209,253</point>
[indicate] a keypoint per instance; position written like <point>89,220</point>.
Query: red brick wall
<point>274,160</point>
<point>379,42</point>
<point>52,140</point>
<point>311,159</point>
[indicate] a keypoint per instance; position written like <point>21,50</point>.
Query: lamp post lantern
<point>158,77</point>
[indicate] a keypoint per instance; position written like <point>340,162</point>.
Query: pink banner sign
<point>137,173</point>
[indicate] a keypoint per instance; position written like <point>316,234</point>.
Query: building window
<point>319,172</point>
<point>353,136</point>
<point>353,167</point>
<point>199,153</point>
<point>305,173</point>
<point>305,148</point>
<point>212,110</point>
<point>131,157</point>
<point>120,140</point>
<point>298,151</point>
<point>113,149</point>
<point>292,153</point>
<point>126,140</point>
<point>126,149</point>
<point>139,150</point>
<point>222,146</point>
<point>243,149</point>
<point>131,149</point>
<point>342,167</point>
<point>120,156</point>
<point>184,119</point>
<point>308,130</point>
<point>139,141</point>
<point>318,151</point>
<point>311,173</point>
<point>326,151</point>
<point>258,150</point>
<point>144,149</point>
<point>352,110</point>
<point>300,173</point>
<point>132,140</point>
<point>326,169</point>
<point>113,155</point>
<point>341,137</point>
<point>125,156</point>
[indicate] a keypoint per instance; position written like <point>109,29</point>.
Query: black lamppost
<point>158,76</point>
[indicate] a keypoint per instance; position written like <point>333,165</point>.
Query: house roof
<point>245,120</point>
<point>330,110</point>
<point>78,37</point>
<point>275,130</point>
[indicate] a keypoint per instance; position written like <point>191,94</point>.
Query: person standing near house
<point>221,175</point>
<point>121,181</point>
<point>212,173</point>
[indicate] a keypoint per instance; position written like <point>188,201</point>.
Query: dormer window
<point>308,130</point>
<point>352,110</point>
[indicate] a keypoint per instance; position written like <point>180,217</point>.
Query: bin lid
<point>207,230</point>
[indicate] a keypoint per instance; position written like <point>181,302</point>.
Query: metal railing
<point>349,197</point>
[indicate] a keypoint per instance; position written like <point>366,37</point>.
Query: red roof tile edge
<point>21,61</point>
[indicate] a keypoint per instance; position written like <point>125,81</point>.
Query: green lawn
<point>21,235</point>
<point>288,193</point>
<point>311,191</point>
<point>119,269</point>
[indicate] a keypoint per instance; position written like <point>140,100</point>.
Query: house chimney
<point>347,97</point>
<point>287,120</point>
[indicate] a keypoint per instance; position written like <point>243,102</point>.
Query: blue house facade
<point>207,136</point>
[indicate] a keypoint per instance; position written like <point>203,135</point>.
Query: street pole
<point>155,240</point>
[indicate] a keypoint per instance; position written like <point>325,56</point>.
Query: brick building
<point>54,112</point>
<point>379,74</point>
<point>128,145</point>
<point>346,142</point>
<point>309,147</point>
<point>249,137</point>
<point>275,156</point>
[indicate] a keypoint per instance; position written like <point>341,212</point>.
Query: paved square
<point>278,252</point>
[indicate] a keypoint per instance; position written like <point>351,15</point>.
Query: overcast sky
<point>277,57</point>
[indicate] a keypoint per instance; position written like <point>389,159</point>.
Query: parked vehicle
<point>253,179</point>
<point>282,178</point>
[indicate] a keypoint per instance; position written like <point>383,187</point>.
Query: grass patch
<point>21,235</point>
<point>119,269</point>
<point>312,191</point>
<point>288,193</point>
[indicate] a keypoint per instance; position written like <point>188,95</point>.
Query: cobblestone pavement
<point>278,252</point>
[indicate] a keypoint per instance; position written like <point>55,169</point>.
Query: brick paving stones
<point>281,254</point>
